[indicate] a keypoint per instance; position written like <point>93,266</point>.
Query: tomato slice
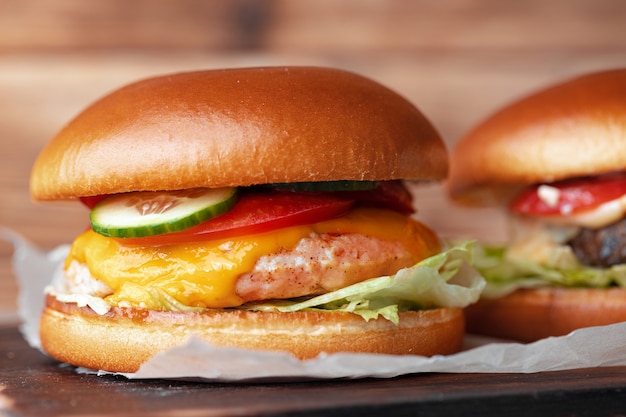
<point>574,196</point>
<point>257,213</point>
<point>91,201</point>
<point>391,195</point>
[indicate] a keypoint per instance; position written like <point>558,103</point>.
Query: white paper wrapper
<point>591,347</point>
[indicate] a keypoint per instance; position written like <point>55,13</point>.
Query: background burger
<point>250,208</point>
<point>557,161</point>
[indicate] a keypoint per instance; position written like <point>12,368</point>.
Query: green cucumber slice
<point>148,213</point>
<point>342,185</point>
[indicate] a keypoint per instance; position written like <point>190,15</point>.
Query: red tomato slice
<point>91,201</point>
<point>257,213</point>
<point>391,195</point>
<point>575,196</point>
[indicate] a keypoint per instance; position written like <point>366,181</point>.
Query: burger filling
<point>247,258</point>
<point>566,233</point>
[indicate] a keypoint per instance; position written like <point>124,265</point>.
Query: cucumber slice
<point>343,185</point>
<point>148,213</point>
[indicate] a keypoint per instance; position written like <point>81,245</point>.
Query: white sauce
<point>549,195</point>
<point>603,215</point>
<point>76,285</point>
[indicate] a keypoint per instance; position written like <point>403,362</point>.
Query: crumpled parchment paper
<point>197,360</point>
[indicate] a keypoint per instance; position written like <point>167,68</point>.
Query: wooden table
<point>34,385</point>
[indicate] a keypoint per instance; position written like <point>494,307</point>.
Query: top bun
<point>573,129</point>
<point>239,127</point>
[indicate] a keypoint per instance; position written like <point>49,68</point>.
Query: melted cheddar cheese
<point>204,274</point>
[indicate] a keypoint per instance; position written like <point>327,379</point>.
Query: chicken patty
<point>320,264</point>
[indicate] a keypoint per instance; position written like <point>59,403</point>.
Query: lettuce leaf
<point>504,275</point>
<point>444,280</point>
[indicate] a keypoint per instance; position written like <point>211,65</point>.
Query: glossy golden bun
<point>531,314</point>
<point>576,128</point>
<point>239,127</point>
<point>123,339</point>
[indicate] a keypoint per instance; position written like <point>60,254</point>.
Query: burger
<point>555,161</point>
<point>255,208</point>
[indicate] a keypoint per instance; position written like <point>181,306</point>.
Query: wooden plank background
<point>457,60</point>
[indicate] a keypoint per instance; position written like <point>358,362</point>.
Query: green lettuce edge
<point>447,279</point>
<point>504,275</point>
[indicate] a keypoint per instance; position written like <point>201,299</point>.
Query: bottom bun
<point>528,315</point>
<point>123,339</point>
